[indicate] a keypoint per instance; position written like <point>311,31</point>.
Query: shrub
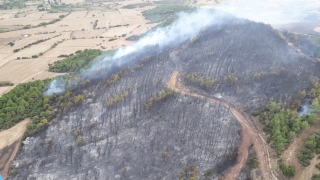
<point>205,83</point>
<point>288,171</point>
<point>117,98</point>
<point>6,83</point>
<point>11,43</point>
<point>162,95</point>
<point>253,162</point>
<point>315,177</point>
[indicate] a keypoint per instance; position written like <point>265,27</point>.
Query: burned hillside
<point>132,129</point>
<point>251,62</point>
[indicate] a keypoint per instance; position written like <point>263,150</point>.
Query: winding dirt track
<point>248,134</point>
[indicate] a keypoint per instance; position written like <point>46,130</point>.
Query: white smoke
<point>54,88</point>
<point>305,110</point>
<point>187,26</point>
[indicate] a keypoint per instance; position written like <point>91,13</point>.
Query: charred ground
<point>179,135</point>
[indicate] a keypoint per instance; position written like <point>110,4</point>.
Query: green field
<point>3,29</point>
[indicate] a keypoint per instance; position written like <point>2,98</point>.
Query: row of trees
<point>33,43</point>
<point>75,62</point>
<point>47,23</point>
<point>136,5</point>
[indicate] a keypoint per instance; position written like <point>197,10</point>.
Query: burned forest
<point>133,125</point>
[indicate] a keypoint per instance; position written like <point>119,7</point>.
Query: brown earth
<point>9,144</point>
<point>249,137</point>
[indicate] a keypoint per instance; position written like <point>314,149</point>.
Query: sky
<point>275,12</point>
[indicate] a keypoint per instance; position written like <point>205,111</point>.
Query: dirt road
<point>9,144</point>
<point>248,134</point>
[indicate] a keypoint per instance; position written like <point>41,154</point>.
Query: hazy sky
<point>274,11</point>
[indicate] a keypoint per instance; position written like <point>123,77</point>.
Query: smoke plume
<point>54,88</point>
<point>187,26</point>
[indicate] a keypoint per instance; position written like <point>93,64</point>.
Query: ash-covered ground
<point>129,141</point>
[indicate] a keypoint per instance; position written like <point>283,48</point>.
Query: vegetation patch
<point>253,162</point>
<point>162,96</point>
<point>6,83</point>
<point>315,177</point>
<point>314,40</point>
<point>136,5</point>
<point>75,62</point>
<point>283,124</point>
<point>208,173</point>
<point>117,98</point>
<point>3,30</point>
<point>171,2</point>
<point>95,24</point>
<point>25,100</point>
<point>205,83</point>
<point>189,172</point>
<point>310,148</point>
<point>287,170</point>
<point>10,4</point>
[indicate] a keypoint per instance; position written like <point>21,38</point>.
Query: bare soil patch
<point>9,144</point>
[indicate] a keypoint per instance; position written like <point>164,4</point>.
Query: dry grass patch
<point>9,136</point>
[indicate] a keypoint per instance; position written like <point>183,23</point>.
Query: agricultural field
<point>86,27</point>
